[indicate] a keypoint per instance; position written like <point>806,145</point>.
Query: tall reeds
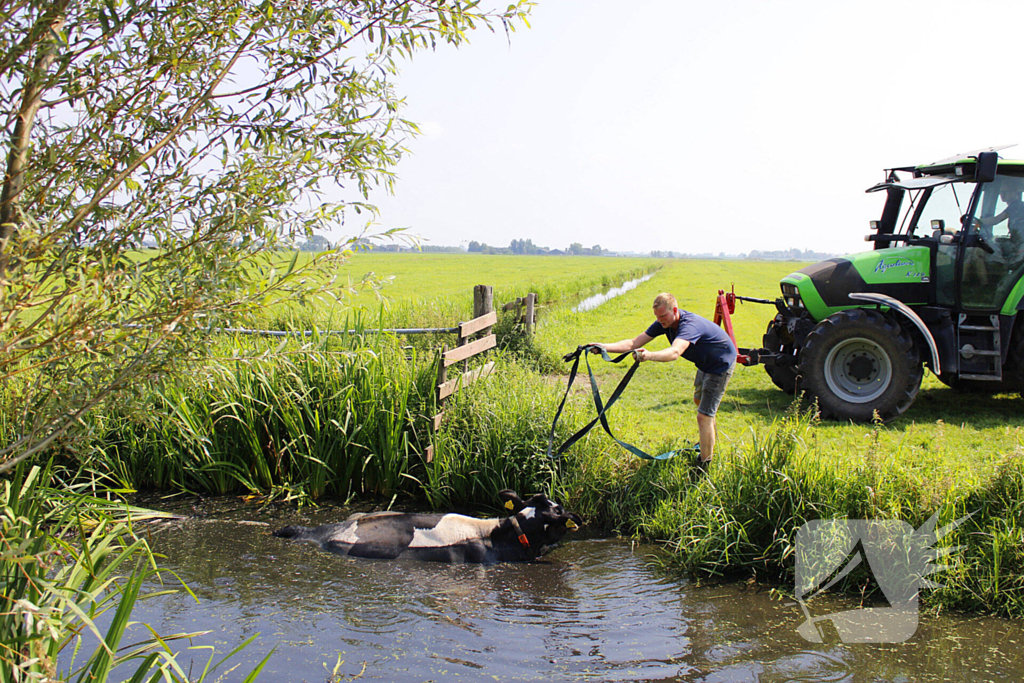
<point>321,420</point>
<point>67,559</point>
<point>743,519</point>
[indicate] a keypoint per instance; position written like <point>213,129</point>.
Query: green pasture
<point>419,276</point>
<point>349,417</point>
<point>436,289</point>
<point>945,436</point>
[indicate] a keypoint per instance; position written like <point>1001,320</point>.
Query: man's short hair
<point>665,300</point>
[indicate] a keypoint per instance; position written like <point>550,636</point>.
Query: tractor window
<point>992,267</point>
<point>1000,209</point>
<point>946,203</point>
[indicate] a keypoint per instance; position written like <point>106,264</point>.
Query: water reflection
<point>573,616</point>
<point>590,303</point>
<point>594,610</point>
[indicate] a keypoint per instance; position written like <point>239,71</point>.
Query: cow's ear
<point>511,499</point>
<point>540,501</point>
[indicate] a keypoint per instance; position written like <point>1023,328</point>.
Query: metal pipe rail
<point>310,333</point>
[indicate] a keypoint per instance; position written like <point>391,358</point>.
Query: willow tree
<point>208,129</point>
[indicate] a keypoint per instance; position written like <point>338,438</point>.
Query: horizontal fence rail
<point>474,338</point>
<point>310,333</point>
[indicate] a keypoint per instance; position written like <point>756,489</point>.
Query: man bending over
<point>699,341</point>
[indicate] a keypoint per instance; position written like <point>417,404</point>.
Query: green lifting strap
<point>602,409</point>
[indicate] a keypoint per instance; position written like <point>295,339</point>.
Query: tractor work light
<point>791,295</point>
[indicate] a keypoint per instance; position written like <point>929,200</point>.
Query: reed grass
<point>349,417</point>
<point>496,435</point>
<point>318,422</point>
<point>67,559</point>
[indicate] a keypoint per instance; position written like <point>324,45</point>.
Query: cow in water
<point>531,530</point>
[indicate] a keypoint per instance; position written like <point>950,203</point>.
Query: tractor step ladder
<point>983,341</point>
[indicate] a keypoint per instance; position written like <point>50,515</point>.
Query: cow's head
<point>543,520</point>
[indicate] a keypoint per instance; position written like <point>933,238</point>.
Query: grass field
<point>421,276</point>
<point>415,289</point>
<point>348,417</point>
<point>944,436</point>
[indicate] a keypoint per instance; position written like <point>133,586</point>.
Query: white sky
<point>705,126</point>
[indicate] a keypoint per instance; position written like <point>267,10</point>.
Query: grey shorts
<point>708,390</point>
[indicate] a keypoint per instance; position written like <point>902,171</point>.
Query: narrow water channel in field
<point>592,610</point>
<point>592,302</point>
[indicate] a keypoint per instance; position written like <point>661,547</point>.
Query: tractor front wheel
<point>782,376</point>
<point>860,364</point>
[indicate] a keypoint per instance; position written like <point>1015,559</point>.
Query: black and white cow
<point>530,531</point>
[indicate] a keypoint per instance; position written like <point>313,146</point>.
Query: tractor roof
<point>964,160</point>
<point>950,169</point>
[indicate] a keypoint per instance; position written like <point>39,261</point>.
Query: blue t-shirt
<point>710,348</point>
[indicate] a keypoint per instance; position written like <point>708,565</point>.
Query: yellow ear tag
<point>509,505</point>
<point>571,525</point>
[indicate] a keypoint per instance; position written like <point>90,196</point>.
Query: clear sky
<point>720,126</point>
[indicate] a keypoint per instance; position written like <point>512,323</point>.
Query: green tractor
<point>942,288</point>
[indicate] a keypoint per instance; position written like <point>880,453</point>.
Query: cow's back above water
<point>531,529</point>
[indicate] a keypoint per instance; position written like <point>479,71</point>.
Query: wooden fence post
<point>483,303</point>
<point>531,303</point>
<point>442,377</point>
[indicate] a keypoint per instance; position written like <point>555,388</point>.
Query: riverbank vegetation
<point>220,132</point>
<point>349,418</point>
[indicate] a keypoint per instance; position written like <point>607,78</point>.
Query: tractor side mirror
<point>986,169</point>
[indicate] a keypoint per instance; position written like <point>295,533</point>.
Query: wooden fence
<point>528,318</point>
<point>480,326</point>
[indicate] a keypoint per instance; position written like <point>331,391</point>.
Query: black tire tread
<point>784,377</point>
<point>907,369</point>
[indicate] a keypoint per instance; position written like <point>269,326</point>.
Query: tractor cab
<point>969,213</point>
<point>942,288</point>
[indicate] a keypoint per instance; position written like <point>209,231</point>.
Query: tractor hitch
<point>725,306</point>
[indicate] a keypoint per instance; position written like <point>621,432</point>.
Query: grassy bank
<point>350,418</point>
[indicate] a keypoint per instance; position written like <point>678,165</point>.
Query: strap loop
<point>602,408</point>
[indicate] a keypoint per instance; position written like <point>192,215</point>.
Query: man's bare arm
<point>625,345</point>
<point>665,355</point>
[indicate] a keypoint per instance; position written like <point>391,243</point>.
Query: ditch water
<point>592,302</point>
<point>592,610</point>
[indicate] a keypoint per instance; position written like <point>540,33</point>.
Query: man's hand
<point>596,348</point>
<point>640,355</point>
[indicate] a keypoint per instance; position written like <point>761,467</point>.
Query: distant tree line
<point>438,249</point>
<point>528,247</point>
<point>319,243</point>
<point>778,255</point>
<point>789,255</point>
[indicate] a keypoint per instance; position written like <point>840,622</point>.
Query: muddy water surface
<point>592,610</point>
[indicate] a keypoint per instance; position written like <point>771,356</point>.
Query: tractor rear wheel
<point>1013,369</point>
<point>860,364</point>
<point>783,376</point>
